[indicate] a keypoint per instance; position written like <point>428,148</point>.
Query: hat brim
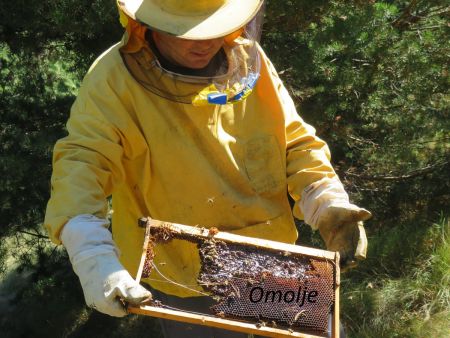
<point>227,19</point>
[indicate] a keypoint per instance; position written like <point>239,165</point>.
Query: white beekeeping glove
<point>105,282</point>
<point>326,207</point>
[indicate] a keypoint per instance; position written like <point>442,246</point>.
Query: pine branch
<point>32,234</point>
<point>406,18</point>
<point>412,174</point>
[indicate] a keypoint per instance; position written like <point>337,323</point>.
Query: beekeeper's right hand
<point>105,282</point>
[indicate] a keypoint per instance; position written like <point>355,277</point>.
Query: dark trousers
<point>174,329</point>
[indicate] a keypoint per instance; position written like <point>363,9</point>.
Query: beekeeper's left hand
<point>326,207</point>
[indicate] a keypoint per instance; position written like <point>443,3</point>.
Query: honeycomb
<point>259,285</point>
<point>274,288</point>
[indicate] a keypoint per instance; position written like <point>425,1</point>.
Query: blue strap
<point>217,98</point>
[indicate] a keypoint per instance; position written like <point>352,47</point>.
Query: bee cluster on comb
<point>258,286</point>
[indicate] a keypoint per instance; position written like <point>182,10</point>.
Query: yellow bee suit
<point>228,166</point>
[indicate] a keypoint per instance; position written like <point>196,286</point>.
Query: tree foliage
<point>44,53</point>
<point>373,78</point>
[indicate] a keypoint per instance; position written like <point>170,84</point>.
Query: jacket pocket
<point>264,166</point>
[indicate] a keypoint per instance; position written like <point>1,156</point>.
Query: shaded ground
<point>48,302</point>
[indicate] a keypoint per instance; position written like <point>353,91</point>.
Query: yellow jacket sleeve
<point>308,161</point>
<point>307,156</point>
<point>87,162</point>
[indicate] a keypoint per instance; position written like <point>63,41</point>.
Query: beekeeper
<point>186,120</point>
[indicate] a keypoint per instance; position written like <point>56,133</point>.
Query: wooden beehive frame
<point>234,325</point>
